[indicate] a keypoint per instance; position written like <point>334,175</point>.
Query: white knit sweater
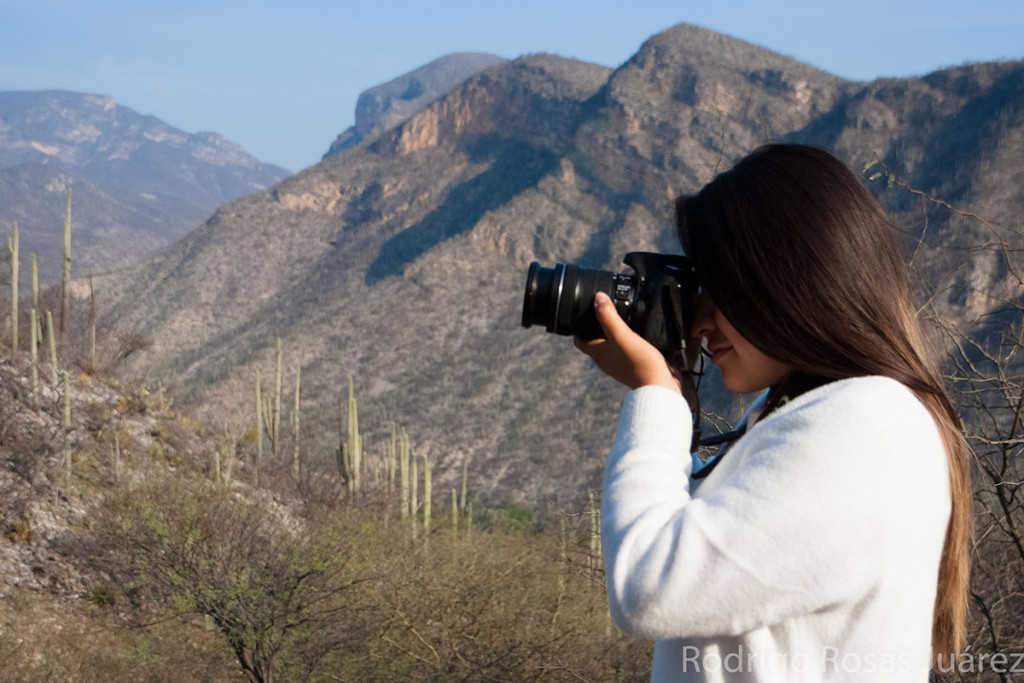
<point>810,553</point>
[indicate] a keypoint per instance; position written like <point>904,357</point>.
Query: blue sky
<point>281,78</point>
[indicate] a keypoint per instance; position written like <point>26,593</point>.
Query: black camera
<point>657,302</point>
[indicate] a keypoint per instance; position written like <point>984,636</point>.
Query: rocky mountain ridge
<point>138,184</point>
<point>400,262</point>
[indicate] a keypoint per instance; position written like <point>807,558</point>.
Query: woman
<point>831,541</point>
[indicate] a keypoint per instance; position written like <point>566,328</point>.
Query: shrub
<point>19,531</point>
<point>272,590</point>
<point>100,595</point>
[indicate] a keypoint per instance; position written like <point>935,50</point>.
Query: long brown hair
<point>801,259</point>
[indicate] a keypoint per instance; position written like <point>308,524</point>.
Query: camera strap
<point>676,327</point>
<point>796,384</point>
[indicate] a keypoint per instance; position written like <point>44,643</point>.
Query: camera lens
<point>541,295</point>
<point>562,298</point>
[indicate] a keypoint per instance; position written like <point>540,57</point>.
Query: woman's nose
<point>703,316</point>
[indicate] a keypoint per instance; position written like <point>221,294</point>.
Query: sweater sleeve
<point>798,523</point>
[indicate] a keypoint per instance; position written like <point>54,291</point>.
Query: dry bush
<point>271,586</point>
<point>352,593</point>
<point>980,318</point>
<point>497,605</point>
<point>990,392</point>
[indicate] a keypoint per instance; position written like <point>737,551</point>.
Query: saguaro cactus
<point>35,297</point>
<point>403,464</point>
<point>465,477</point>
<point>53,347</point>
<point>271,407</point>
<point>295,422</point>
<point>392,459</point>
<point>268,421</point>
<point>414,482</point>
<point>354,442</point>
<point>92,327</point>
<point>455,511</point>
<point>34,343</point>
<point>216,467</point>
<point>35,280</point>
<point>277,402</point>
<point>427,487</point>
<point>259,421</point>
<point>342,450</point>
<point>65,283</point>
<point>12,246</point>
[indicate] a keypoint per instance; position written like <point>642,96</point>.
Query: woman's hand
<point>624,355</point>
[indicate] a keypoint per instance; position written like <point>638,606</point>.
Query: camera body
<point>657,301</point>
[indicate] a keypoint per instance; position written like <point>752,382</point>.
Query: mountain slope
<point>401,262</point>
<point>138,184</point>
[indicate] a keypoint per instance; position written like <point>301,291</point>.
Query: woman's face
<point>744,368</point>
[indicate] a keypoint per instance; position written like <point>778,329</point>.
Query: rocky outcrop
<point>386,106</point>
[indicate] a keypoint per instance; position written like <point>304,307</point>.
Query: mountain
<point>385,106</point>
<point>401,262</point>
<point>137,183</point>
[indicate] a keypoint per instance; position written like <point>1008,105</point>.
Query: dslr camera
<point>657,300</point>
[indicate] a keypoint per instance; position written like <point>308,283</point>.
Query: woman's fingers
<point>623,354</point>
<point>612,323</point>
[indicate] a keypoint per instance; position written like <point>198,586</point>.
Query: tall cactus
<point>227,462</point>
<point>277,403</point>
<point>403,464</point>
<point>216,467</point>
<point>455,511</point>
<point>271,407</point>
<point>427,489</point>
<point>414,484</point>
<point>12,246</point>
<point>92,328</point>
<point>342,451</point>
<point>35,297</point>
<point>65,283</point>
<point>354,443</point>
<point>34,350</point>
<point>268,421</point>
<point>295,423</point>
<point>465,478</point>
<point>392,459</point>
<point>35,280</point>
<point>259,426</point>
<point>53,347</point>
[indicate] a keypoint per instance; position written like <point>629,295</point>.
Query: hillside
<point>140,543</point>
<point>401,261</point>
<point>138,184</point>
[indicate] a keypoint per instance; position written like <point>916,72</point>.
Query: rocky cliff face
<point>138,184</point>
<point>401,263</point>
<point>386,106</point>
